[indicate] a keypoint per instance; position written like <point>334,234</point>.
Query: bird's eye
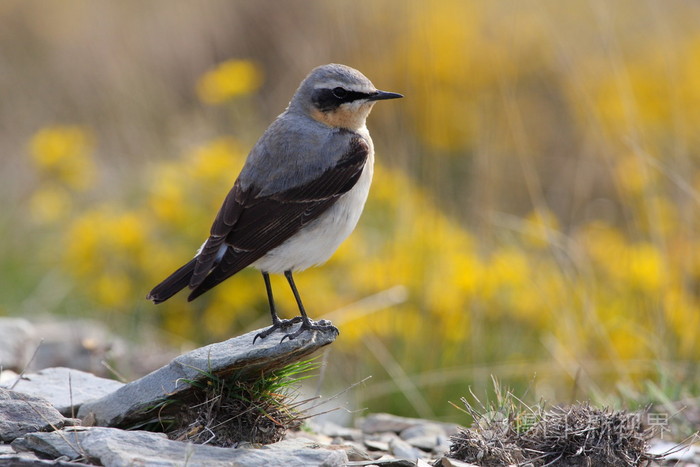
<point>340,93</point>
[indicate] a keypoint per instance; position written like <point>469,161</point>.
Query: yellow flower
<point>646,267</point>
<point>682,317</point>
<point>111,289</point>
<point>63,152</point>
<point>217,162</point>
<point>129,231</point>
<point>229,79</point>
<point>167,196</point>
<point>81,245</point>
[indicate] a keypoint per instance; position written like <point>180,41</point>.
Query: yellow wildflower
<point>63,152</point>
<point>229,79</point>
<point>112,289</point>
<point>217,162</point>
<point>646,267</point>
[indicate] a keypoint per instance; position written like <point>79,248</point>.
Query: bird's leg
<point>277,323</point>
<point>306,323</point>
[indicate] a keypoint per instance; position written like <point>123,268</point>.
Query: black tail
<point>173,284</point>
<point>215,277</point>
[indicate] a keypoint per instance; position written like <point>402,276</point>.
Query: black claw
<point>308,325</point>
<point>279,324</point>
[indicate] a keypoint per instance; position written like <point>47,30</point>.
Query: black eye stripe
<point>340,93</point>
<point>329,99</point>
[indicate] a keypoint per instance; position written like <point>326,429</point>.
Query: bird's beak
<point>383,95</point>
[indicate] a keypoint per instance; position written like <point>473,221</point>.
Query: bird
<point>299,195</point>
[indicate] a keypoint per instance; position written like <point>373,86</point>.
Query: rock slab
<point>21,414</point>
<point>17,341</point>
<point>65,388</point>
<point>135,402</point>
<point>384,422</point>
<point>112,447</point>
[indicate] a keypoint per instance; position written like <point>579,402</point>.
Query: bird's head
<point>338,96</point>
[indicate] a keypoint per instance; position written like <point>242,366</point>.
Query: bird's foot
<point>308,325</point>
<point>278,324</point>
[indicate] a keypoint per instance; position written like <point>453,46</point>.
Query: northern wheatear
<point>299,195</point>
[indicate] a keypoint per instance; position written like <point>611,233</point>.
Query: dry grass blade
<point>584,435</point>
<point>511,432</point>
<point>226,411</point>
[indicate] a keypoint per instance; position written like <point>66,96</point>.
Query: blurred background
<point>533,214</point>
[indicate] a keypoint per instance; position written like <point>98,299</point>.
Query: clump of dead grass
<point>226,411</point>
<point>511,432</point>
<point>217,418</point>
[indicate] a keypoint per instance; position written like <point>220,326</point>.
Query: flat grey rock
<point>22,413</point>
<point>384,422</point>
<point>112,447</point>
<point>402,450</point>
<point>424,429</point>
<point>136,401</point>
<point>82,344</point>
<point>17,343</point>
<point>424,443</point>
<point>427,437</point>
<point>336,431</point>
<point>65,388</point>
<point>449,462</point>
<point>374,445</point>
<point>385,461</point>
<point>10,458</point>
<point>355,452</point>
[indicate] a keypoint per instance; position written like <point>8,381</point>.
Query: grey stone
<point>423,429</point>
<point>386,461</point>
<point>17,343</point>
<point>443,447</point>
<point>11,458</point>
<point>112,447</point>
<point>7,375</point>
<point>673,451</point>
<point>65,388</point>
<point>239,357</point>
<point>310,436</point>
<point>136,401</point>
<point>449,462</point>
<point>81,344</point>
<point>30,460</point>
<point>427,436</point>
<point>375,445</point>
<point>86,344</point>
<point>358,451</point>
<point>6,449</point>
<point>425,443</point>
<point>336,431</point>
<point>355,453</point>
<point>22,413</point>
<point>401,449</point>
<point>383,422</point>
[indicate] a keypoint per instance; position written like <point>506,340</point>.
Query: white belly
<point>318,240</point>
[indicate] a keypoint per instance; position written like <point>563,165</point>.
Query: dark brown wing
<point>251,226</point>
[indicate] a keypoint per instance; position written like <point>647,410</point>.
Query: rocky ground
<point>62,416</point>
